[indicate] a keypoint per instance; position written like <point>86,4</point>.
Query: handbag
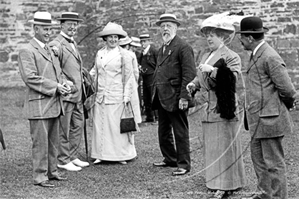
<point>88,83</point>
<point>127,123</point>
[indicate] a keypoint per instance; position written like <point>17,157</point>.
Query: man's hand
<point>63,89</point>
<point>183,104</point>
<point>126,100</point>
<point>206,68</point>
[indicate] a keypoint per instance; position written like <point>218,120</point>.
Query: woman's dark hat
<point>70,16</point>
<point>252,25</point>
<point>168,18</point>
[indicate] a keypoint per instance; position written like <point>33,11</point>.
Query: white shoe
<point>80,163</point>
<point>97,161</point>
<point>123,162</point>
<point>69,167</point>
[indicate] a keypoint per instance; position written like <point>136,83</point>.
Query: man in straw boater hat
<point>41,72</point>
<point>174,70</point>
<point>147,61</point>
<point>269,96</point>
<point>72,123</point>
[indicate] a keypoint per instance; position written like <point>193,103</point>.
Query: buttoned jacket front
<point>71,64</point>
<point>41,73</point>
<point>175,69</point>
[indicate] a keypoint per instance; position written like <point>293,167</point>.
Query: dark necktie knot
<point>69,40</point>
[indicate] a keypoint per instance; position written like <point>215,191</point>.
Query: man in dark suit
<point>41,73</point>
<point>148,63</point>
<point>72,122</point>
<point>175,68</point>
<point>269,95</point>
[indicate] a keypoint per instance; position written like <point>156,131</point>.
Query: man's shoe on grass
<point>164,164</point>
<point>179,171</point>
<point>69,167</point>
<point>80,163</point>
<point>58,178</point>
<point>46,184</point>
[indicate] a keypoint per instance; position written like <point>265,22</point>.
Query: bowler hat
<point>167,18</point>
<point>252,25</point>
<point>42,18</point>
<point>113,29</point>
<point>125,41</point>
<point>70,16</point>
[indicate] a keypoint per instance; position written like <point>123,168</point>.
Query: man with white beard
<point>174,70</point>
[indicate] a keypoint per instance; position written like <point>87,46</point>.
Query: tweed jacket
<point>175,68</point>
<point>207,92</point>
<point>71,64</point>
<point>41,73</point>
<point>266,80</point>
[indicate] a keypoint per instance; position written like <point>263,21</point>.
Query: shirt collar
<point>66,36</point>
<point>257,47</point>
<point>39,42</point>
<point>146,50</point>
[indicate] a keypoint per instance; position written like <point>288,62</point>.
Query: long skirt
<point>107,141</point>
<point>223,155</point>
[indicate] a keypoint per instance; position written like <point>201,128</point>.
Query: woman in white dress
<point>114,87</point>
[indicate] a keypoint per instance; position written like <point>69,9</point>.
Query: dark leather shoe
<point>58,178</point>
<point>179,171</point>
<point>45,184</point>
<point>163,164</point>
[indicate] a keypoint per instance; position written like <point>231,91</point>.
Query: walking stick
<point>85,136</point>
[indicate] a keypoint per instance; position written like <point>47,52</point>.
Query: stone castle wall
<point>136,16</point>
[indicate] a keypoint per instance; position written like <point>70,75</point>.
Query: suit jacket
<point>266,80</point>
<point>148,61</point>
<point>174,70</point>
<point>204,84</point>
<point>41,73</point>
<point>71,64</point>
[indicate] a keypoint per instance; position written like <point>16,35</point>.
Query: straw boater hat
<point>144,36</point>
<point>113,29</point>
<point>125,41</point>
<point>42,18</point>
<point>252,25</point>
<point>168,18</point>
<point>135,42</point>
<point>70,16</point>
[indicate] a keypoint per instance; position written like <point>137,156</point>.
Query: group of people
<point>56,97</point>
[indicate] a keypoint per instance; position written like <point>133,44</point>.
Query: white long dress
<point>107,141</point>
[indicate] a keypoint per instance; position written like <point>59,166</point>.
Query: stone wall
<point>136,16</point>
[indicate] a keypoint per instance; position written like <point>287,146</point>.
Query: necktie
<point>69,40</point>
<point>47,50</point>
<point>164,47</point>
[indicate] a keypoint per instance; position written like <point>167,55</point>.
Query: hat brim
<point>167,20</point>
<point>135,44</point>
<point>69,19</point>
<point>42,23</point>
<point>121,34</point>
<point>264,30</point>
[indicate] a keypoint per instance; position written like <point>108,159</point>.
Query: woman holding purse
<point>114,86</point>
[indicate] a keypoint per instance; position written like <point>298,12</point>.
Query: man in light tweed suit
<point>41,73</point>
<point>269,95</point>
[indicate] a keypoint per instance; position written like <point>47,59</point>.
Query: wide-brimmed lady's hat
<point>252,25</point>
<point>70,16</point>
<point>125,41</point>
<point>113,29</point>
<point>42,18</point>
<point>217,21</point>
<point>135,42</point>
<point>168,18</point>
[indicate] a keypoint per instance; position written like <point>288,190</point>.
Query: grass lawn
<point>138,179</point>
